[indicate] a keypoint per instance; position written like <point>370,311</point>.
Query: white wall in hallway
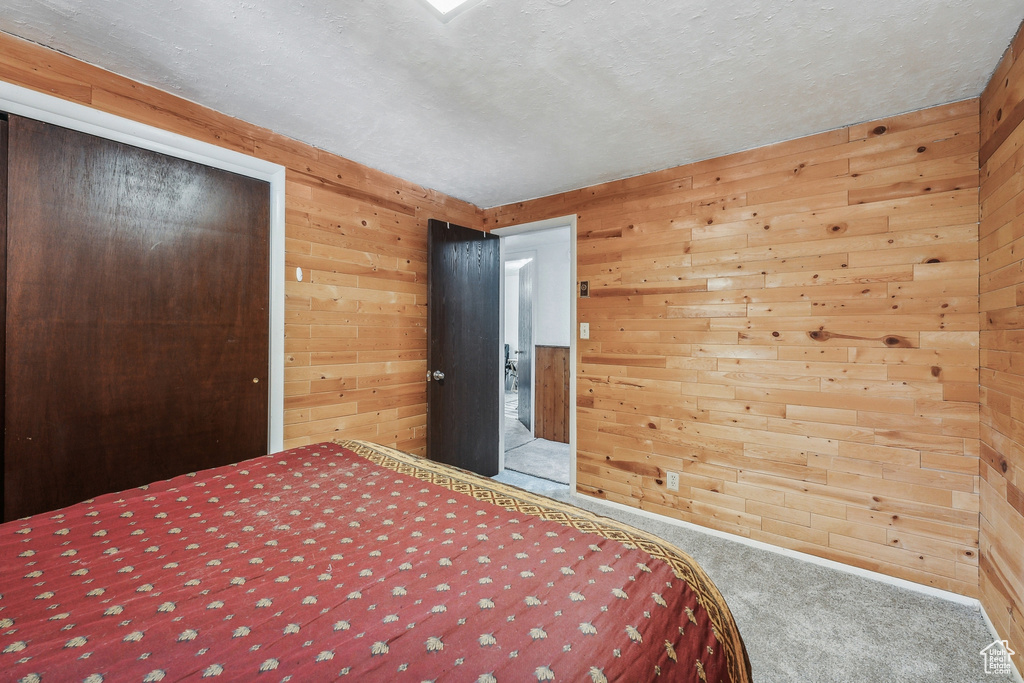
<point>553,287</point>
<point>512,310</point>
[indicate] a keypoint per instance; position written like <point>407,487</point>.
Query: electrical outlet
<point>673,481</point>
<point>584,330</point>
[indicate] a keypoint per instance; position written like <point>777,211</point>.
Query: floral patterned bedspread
<point>351,561</point>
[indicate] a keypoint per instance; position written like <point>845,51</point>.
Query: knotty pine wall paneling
<point>1001,248</point>
<point>355,346</point>
<point>793,329</point>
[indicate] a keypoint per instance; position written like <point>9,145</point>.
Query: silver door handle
<point>438,375</point>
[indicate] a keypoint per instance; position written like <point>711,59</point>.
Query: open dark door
<point>525,365</point>
<point>463,364</point>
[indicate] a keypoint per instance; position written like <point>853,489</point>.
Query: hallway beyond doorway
<point>528,455</point>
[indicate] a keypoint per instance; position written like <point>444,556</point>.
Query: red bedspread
<point>324,562</point>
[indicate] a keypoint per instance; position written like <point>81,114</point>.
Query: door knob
<point>438,375</point>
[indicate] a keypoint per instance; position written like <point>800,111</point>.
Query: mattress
<point>352,561</point>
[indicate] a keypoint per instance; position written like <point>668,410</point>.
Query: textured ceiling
<point>515,99</point>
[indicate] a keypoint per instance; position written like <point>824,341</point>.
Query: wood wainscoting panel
<point>1001,252</point>
<point>552,407</point>
<point>794,330</point>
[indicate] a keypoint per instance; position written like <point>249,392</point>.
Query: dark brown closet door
<point>137,317</point>
<point>524,366</point>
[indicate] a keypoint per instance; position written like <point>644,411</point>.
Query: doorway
<point>538,348</point>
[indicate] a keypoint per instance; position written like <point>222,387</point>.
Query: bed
<point>352,561</point>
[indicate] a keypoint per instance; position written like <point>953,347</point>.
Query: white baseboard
<point>1015,671</point>
<point>796,554</point>
<point>813,559</point>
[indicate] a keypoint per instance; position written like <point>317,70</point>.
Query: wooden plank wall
<point>1001,250</point>
<point>355,345</point>
<point>552,402</point>
<point>794,329</point>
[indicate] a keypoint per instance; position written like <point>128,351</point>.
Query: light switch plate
<point>584,330</point>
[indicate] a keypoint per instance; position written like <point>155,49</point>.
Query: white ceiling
<point>515,99</point>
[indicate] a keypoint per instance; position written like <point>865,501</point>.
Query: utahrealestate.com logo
<point>997,658</point>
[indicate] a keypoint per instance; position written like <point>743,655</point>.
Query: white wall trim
<point>49,109</point>
<point>558,222</point>
<point>1015,670</point>
<point>795,554</point>
<point>814,559</point>
<point>537,226</point>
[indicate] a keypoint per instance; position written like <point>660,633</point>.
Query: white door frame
<point>50,109</point>
<point>537,226</point>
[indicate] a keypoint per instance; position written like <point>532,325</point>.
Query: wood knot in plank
<point>895,341</point>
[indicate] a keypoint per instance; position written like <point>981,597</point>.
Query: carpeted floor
<point>516,433</point>
<point>805,622</point>
<point>528,455</point>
